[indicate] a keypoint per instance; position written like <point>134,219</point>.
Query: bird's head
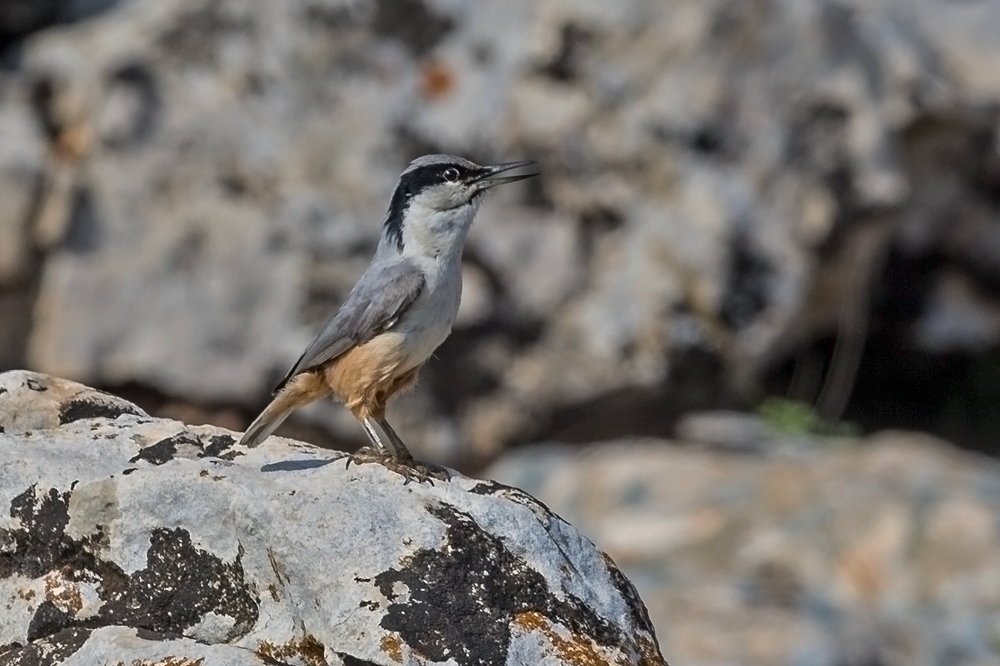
<point>437,197</point>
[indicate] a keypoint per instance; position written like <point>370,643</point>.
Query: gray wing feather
<point>377,301</point>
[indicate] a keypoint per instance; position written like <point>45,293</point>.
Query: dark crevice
<point>708,139</point>
<point>947,384</point>
<point>354,661</point>
<point>21,18</point>
<point>697,380</point>
<point>955,396</point>
<point>53,649</point>
<point>952,394</point>
<point>748,283</point>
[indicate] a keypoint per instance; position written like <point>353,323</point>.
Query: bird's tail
<point>300,391</point>
<point>264,425</point>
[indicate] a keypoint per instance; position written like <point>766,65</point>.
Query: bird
<point>400,310</point>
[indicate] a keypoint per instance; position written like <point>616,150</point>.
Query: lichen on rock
<point>163,541</point>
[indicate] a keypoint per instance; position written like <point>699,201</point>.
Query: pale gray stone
<point>695,156</point>
<point>123,533</point>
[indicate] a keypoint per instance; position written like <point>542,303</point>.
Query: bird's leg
<point>373,437</point>
<point>400,449</point>
<point>378,451</point>
<point>424,471</point>
<point>395,456</point>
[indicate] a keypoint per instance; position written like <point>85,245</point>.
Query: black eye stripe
<point>417,179</point>
<point>410,184</point>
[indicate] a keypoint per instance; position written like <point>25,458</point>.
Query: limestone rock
<point>232,160</point>
<point>31,401</point>
<point>141,539</point>
<point>879,551</point>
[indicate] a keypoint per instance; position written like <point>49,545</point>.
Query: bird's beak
<point>487,180</point>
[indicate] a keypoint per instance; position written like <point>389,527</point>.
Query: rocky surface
<point>803,551</point>
<point>128,539</point>
<point>723,183</point>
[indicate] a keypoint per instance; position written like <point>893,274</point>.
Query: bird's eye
<point>451,175</point>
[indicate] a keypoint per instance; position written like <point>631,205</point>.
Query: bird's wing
<point>377,301</point>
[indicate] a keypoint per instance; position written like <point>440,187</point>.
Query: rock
<point>884,550</point>
<point>728,430</point>
<point>142,539</point>
<point>701,162</point>
<point>31,401</point>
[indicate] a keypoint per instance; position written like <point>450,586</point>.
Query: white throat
<point>434,238</point>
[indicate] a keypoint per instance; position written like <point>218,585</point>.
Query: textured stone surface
<point>217,169</point>
<point>124,645</point>
<point>879,551</point>
<point>143,540</point>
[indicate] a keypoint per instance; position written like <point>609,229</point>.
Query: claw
<point>396,457</point>
<point>410,470</point>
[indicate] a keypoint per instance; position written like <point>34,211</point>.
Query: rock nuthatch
<point>401,309</point>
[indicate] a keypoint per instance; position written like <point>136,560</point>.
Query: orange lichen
<point>649,654</point>
<point>576,650</point>
<point>393,647</point>
<point>310,650</point>
<point>64,594</point>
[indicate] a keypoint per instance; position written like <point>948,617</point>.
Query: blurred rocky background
<point>755,218</point>
<point>880,552</point>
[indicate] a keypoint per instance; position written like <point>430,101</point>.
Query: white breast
<point>427,323</point>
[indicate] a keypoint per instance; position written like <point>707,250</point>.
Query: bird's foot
<point>406,467</point>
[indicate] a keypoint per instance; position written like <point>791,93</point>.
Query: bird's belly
<point>421,336</point>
